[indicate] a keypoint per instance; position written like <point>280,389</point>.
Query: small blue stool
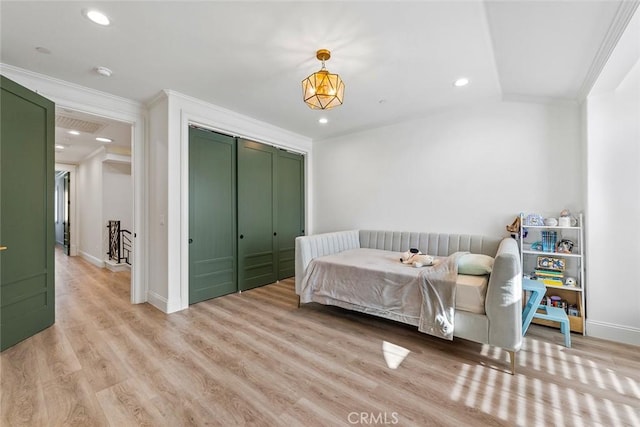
<point>537,290</point>
<point>556,314</point>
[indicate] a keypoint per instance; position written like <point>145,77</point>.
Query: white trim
<point>114,266</point>
<point>72,96</point>
<point>94,153</point>
<point>116,158</point>
<point>624,13</point>
<point>613,332</point>
<point>544,100</point>
<point>236,124</point>
<point>91,259</point>
<point>158,301</point>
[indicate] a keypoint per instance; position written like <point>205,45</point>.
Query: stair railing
<point>119,243</point>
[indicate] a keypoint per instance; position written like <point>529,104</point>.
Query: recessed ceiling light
<point>97,17</point>
<point>60,147</point>
<point>463,81</point>
<point>74,132</point>
<point>101,139</point>
<point>323,120</point>
<point>44,50</point>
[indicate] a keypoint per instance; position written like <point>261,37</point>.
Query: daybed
<point>488,313</point>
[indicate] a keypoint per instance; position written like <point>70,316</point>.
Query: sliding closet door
<point>290,209</point>
<point>256,203</point>
<point>212,215</point>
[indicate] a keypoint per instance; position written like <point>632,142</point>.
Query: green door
<point>256,226</point>
<point>26,213</point>
<point>212,215</point>
<point>290,212</point>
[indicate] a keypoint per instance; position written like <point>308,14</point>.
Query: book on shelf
<point>551,281</point>
<point>548,273</point>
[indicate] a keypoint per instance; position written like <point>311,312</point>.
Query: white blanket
<point>376,282</point>
<point>438,287</point>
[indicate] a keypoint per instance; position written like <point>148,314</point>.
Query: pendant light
<point>323,90</point>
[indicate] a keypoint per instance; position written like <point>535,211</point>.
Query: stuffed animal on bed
<point>416,258</point>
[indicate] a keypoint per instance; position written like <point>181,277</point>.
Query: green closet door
<point>290,212</point>
<point>256,202</point>
<point>26,213</point>
<point>212,215</point>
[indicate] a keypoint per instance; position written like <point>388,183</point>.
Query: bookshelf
<point>542,259</point>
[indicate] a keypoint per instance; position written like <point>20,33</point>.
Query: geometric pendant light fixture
<point>323,90</point>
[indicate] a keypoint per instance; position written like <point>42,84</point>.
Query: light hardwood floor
<point>255,358</point>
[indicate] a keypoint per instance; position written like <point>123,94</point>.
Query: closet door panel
<point>212,215</point>
<point>290,209</point>
<point>256,203</point>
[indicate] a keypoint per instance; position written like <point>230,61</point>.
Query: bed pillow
<point>475,264</point>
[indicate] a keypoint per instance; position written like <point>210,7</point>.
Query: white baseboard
<point>157,301</point>
<point>114,266</point>
<point>161,303</point>
<point>93,260</point>
<point>73,250</point>
<point>613,332</point>
<point>175,306</point>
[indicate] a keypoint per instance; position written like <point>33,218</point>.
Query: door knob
<point>190,241</point>
<point>3,248</point>
<point>242,236</point>
<point>275,234</point>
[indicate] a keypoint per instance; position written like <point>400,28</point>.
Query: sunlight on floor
<point>393,354</point>
<point>528,400</point>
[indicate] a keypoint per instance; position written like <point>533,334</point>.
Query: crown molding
<point>73,96</point>
<point>625,12</point>
<point>233,115</point>
<point>160,96</point>
<point>210,116</point>
<point>96,152</point>
<point>545,100</point>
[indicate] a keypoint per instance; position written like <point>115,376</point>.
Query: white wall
<point>89,188</point>
<point>613,195</point>
<point>117,197</point>
<point>105,191</point>
<point>468,170</point>
<point>157,180</point>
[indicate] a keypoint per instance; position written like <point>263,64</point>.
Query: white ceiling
<point>398,59</point>
<point>72,149</point>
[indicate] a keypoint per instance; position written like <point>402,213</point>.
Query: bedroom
<point>501,152</point>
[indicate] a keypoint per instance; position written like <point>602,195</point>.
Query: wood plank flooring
<point>256,359</point>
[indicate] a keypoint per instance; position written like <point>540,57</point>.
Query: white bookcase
<point>553,267</point>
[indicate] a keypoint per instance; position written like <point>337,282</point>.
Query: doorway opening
<point>94,185</point>
<point>62,210</point>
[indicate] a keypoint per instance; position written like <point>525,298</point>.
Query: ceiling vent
<point>77,124</point>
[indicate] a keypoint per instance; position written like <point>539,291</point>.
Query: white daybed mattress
<point>378,283</point>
